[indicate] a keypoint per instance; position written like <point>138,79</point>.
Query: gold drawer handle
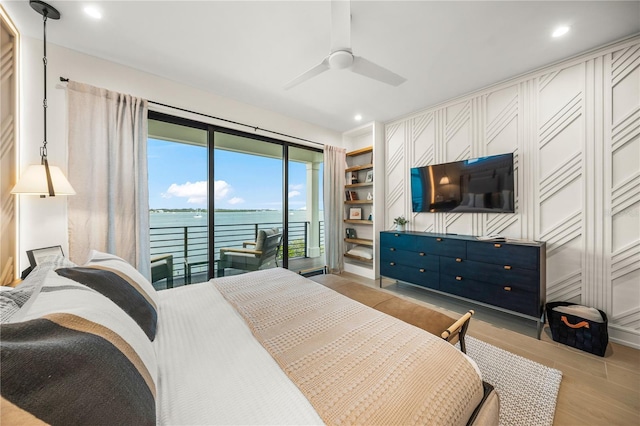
<point>392,263</point>
<point>392,249</point>
<point>422,253</point>
<point>421,269</point>
<point>507,267</point>
<point>438,239</point>
<point>396,235</point>
<point>458,259</point>
<point>497,245</point>
<point>458,278</point>
<point>507,289</point>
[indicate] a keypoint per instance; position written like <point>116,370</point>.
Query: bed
<point>96,344</point>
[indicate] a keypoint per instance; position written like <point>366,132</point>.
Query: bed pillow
<point>362,251</point>
<point>123,284</point>
<point>76,358</point>
<point>13,299</point>
<point>113,263</point>
<point>120,292</point>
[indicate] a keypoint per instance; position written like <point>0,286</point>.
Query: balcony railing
<point>191,242</point>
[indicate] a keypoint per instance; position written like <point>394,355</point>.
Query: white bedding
<point>199,313</point>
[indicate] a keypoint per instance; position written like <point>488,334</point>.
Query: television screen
<point>478,185</point>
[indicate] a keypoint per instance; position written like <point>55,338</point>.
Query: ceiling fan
<point>341,56</point>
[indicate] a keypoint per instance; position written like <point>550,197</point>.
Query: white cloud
<point>293,194</point>
<point>221,189</point>
<point>296,187</point>
<point>236,200</point>
<point>196,192</point>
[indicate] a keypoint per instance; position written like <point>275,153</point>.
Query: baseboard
<point>624,336</point>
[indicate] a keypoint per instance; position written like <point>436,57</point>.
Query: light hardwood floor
<point>594,390</point>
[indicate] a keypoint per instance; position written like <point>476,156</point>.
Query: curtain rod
<point>255,128</point>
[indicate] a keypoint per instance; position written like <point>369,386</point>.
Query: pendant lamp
<point>42,179</point>
<point>444,180</point>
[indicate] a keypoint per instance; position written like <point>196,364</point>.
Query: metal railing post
<point>306,239</point>
<point>185,241</point>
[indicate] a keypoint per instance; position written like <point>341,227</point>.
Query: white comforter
<point>224,380</point>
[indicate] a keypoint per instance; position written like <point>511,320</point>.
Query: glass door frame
<point>211,131</point>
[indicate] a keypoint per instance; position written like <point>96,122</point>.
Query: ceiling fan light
<point>34,182</point>
<point>340,59</point>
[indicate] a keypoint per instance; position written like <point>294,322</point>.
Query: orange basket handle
<point>578,325</point>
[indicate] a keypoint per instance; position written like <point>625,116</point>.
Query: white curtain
<point>334,180</point>
<point>108,169</point>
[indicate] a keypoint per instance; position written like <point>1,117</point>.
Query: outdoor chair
<point>162,268</point>
<point>254,255</point>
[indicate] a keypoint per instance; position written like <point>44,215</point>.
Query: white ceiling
<point>247,50</point>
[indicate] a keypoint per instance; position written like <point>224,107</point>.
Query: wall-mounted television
<point>477,185</point>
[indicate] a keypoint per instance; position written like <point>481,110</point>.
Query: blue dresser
<point>510,276</point>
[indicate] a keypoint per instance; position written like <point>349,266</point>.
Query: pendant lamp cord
<point>43,150</point>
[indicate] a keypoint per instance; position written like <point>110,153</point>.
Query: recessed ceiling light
<point>358,117</point>
<point>93,12</point>
<point>560,31</point>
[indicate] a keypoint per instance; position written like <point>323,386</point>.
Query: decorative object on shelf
<point>369,177</point>
<point>347,195</point>
<point>42,179</point>
<point>370,216</point>
<point>355,213</point>
<point>351,233</point>
<point>400,223</point>
<point>369,196</point>
<point>353,196</point>
<point>353,177</point>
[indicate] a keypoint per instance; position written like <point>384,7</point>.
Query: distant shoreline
<point>205,211</point>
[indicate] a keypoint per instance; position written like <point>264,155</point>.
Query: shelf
<point>358,258</point>
<point>359,185</point>
<point>360,167</point>
<point>359,202</point>
<point>360,151</point>
<point>359,221</point>
<point>360,241</point>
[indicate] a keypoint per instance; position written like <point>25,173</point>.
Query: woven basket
<point>578,332</point>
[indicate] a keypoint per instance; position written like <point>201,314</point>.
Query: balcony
<point>191,242</point>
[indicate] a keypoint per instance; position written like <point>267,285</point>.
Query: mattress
<point>214,369</point>
<point>211,370</point>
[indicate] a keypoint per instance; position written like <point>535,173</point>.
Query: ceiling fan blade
<point>318,69</point>
<point>369,69</point>
<point>340,25</point>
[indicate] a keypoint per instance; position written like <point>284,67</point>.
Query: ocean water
<point>167,219</point>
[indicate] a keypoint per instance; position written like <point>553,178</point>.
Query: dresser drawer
<point>397,240</point>
<point>392,254</point>
<point>515,298</point>
<point>504,254</point>
<point>442,246</point>
<point>410,274</point>
<point>505,275</point>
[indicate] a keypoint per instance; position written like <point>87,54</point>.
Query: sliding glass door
<point>248,179</point>
<point>305,213</point>
<point>178,200</point>
<point>224,202</point>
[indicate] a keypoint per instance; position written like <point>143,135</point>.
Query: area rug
<point>528,390</point>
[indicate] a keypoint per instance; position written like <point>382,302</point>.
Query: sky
<point>178,179</point>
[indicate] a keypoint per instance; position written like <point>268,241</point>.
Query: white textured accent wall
<point>574,129</point>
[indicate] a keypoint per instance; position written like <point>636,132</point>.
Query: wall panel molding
<point>574,129</point>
